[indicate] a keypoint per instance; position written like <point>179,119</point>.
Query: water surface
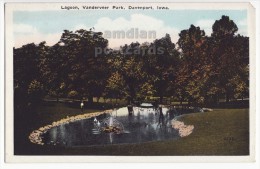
<point>144,125</point>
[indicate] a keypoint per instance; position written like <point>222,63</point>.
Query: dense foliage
<point>199,69</point>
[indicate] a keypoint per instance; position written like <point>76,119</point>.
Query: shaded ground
<point>221,132</point>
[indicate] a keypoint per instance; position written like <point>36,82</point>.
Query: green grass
<point>46,114</point>
<point>221,132</point>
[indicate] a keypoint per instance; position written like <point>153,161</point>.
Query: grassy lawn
<point>56,111</point>
<point>221,132</point>
<point>224,131</point>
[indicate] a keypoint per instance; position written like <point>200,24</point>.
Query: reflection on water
<point>145,124</point>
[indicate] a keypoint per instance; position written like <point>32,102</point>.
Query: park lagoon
<point>142,125</point>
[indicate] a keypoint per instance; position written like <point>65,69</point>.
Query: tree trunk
<point>90,99</point>
<point>132,93</point>
<point>215,101</point>
<point>57,98</point>
<point>227,97</point>
<point>161,99</point>
<point>181,104</point>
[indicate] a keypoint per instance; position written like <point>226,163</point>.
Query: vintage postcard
<point>113,82</point>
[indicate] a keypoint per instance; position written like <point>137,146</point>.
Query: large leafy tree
<point>192,73</point>
<point>28,82</point>
<point>127,63</point>
<point>162,66</point>
<point>212,67</point>
<point>54,68</point>
<point>87,72</point>
<point>224,28</point>
<point>230,57</point>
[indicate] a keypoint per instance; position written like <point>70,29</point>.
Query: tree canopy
<point>199,69</point>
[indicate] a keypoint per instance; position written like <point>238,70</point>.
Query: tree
<point>163,65</point>
<point>27,77</point>
<point>116,86</point>
<point>128,64</point>
<point>192,73</point>
<point>54,67</point>
<point>210,65</point>
<point>87,73</point>
<point>224,28</point>
<point>230,55</point>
